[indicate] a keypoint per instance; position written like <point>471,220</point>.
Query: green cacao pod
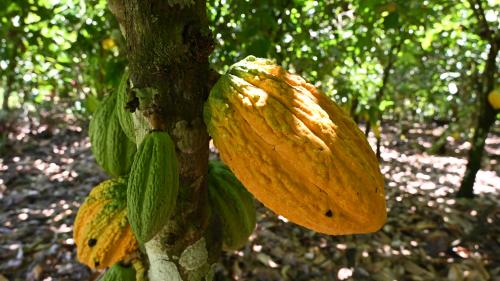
<point>119,272</point>
<point>153,185</point>
<point>101,232</point>
<point>232,203</point>
<point>133,124</point>
<point>124,116</point>
<point>295,150</point>
<point>113,151</point>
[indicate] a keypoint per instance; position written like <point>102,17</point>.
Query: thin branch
<point>393,53</point>
<point>477,9</point>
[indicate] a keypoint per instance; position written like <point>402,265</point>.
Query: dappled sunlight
<point>40,192</point>
<point>55,172</point>
<point>439,175</point>
<point>487,182</point>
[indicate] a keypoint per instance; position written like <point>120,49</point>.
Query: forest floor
<point>429,234</point>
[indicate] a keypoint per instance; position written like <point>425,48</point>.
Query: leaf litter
<point>429,234</point>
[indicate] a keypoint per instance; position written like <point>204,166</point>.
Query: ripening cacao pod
<point>102,233</point>
<point>153,185</point>
<point>494,98</point>
<point>119,272</point>
<point>295,150</point>
<point>232,203</point>
<point>113,151</point>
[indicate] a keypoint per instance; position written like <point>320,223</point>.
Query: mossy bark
<point>168,43</point>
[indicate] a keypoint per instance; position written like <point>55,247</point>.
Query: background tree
<point>486,83</point>
<point>55,59</point>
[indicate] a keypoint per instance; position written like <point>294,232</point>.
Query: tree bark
<point>393,53</point>
<point>487,114</point>
<point>168,43</point>
<point>11,73</point>
<point>486,119</point>
<point>352,111</point>
<point>367,128</point>
<point>7,90</point>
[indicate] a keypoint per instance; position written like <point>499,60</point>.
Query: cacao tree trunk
<point>486,119</point>
<point>11,76</point>
<point>7,91</point>
<point>168,43</point>
<point>487,114</point>
<point>393,54</point>
<point>367,128</point>
<point>354,105</point>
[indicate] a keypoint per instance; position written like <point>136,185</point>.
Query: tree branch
<point>477,9</point>
<point>393,52</point>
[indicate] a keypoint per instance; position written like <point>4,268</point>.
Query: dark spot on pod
<point>132,104</point>
<point>96,264</point>
<point>92,242</point>
<point>329,213</point>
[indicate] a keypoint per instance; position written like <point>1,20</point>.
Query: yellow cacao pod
<point>494,98</point>
<point>295,150</point>
<point>102,233</point>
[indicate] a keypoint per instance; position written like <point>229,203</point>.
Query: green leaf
<point>385,104</point>
<point>258,47</point>
<point>391,21</point>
